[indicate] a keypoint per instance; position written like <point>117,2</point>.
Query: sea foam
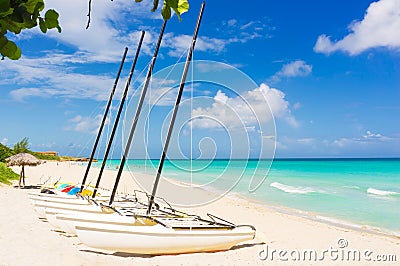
<point>381,192</point>
<point>291,189</point>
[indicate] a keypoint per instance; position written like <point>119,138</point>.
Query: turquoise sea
<point>364,192</point>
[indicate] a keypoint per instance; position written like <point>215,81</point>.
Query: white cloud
<point>248,25</point>
<point>297,106</point>
<point>58,72</point>
<point>115,24</point>
<point>367,138</point>
<point>379,28</point>
<point>307,141</point>
<point>180,44</point>
<point>53,78</point>
<point>365,145</point>
<point>370,135</point>
<point>231,22</point>
<point>235,31</point>
<point>4,141</point>
<point>298,68</point>
<point>207,67</point>
<point>278,104</point>
<point>107,34</point>
<point>343,142</point>
<point>162,92</point>
<point>245,110</point>
<point>85,124</point>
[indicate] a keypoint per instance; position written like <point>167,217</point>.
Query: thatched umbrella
<point>22,159</point>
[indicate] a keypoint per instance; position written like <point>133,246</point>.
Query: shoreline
<point>275,230</point>
<point>318,217</point>
<point>310,215</point>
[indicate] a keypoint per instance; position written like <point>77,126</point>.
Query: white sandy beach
<point>26,240</point>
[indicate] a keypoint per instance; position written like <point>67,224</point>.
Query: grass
<point>6,174</point>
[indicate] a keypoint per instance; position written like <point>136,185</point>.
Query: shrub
<point>6,174</point>
<point>5,152</point>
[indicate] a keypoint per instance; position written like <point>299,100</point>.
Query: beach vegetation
<point>21,146</point>
<point>5,152</point>
<point>19,15</point>
<point>42,156</point>
<point>6,174</point>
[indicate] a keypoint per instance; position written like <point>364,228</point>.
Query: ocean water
<point>364,192</point>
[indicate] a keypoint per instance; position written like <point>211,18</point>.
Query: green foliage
<point>5,152</point>
<point>21,146</point>
<point>45,156</point>
<point>6,174</point>
<point>178,6</point>
<point>18,15</point>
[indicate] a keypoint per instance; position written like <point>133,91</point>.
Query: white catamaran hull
<point>67,222</point>
<point>76,209</point>
<point>78,204</point>
<point>51,213</point>
<point>71,204</point>
<point>157,239</point>
<point>49,198</point>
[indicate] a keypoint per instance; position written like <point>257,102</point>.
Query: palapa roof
<point>22,159</point>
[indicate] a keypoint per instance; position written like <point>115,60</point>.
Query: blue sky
<point>329,70</point>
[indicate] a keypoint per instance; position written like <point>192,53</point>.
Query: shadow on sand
<point>136,255</point>
<point>28,187</point>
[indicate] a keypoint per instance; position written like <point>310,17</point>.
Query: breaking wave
<point>379,192</point>
<point>293,190</point>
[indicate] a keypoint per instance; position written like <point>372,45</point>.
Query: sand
<point>282,238</point>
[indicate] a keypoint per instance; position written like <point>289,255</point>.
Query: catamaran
<point>135,226</point>
<point>150,229</point>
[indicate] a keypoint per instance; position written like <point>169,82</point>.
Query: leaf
<point>171,3</point>
<point>51,19</point>
<point>3,29</point>
<point>179,7</point>
<point>33,6</point>
<point>8,49</point>
<point>17,15</point>
<point>39,7</point>
<point>11,50</point>
<point>3,41</point>
<point>12,26</point>
<point>155,5</point>
<point>183,6</point>
<point>28,21</point>
<point>16,55</point>
<point>42,25</point>
<point>4,6</point>
<point>51,23</point>
<point>166,11</point>
<point>51,14</point>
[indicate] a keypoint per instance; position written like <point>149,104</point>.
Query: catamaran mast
<point>136,118</point>
<point>176,107</point>
<point>104,120</point>
<point>121,106</point>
